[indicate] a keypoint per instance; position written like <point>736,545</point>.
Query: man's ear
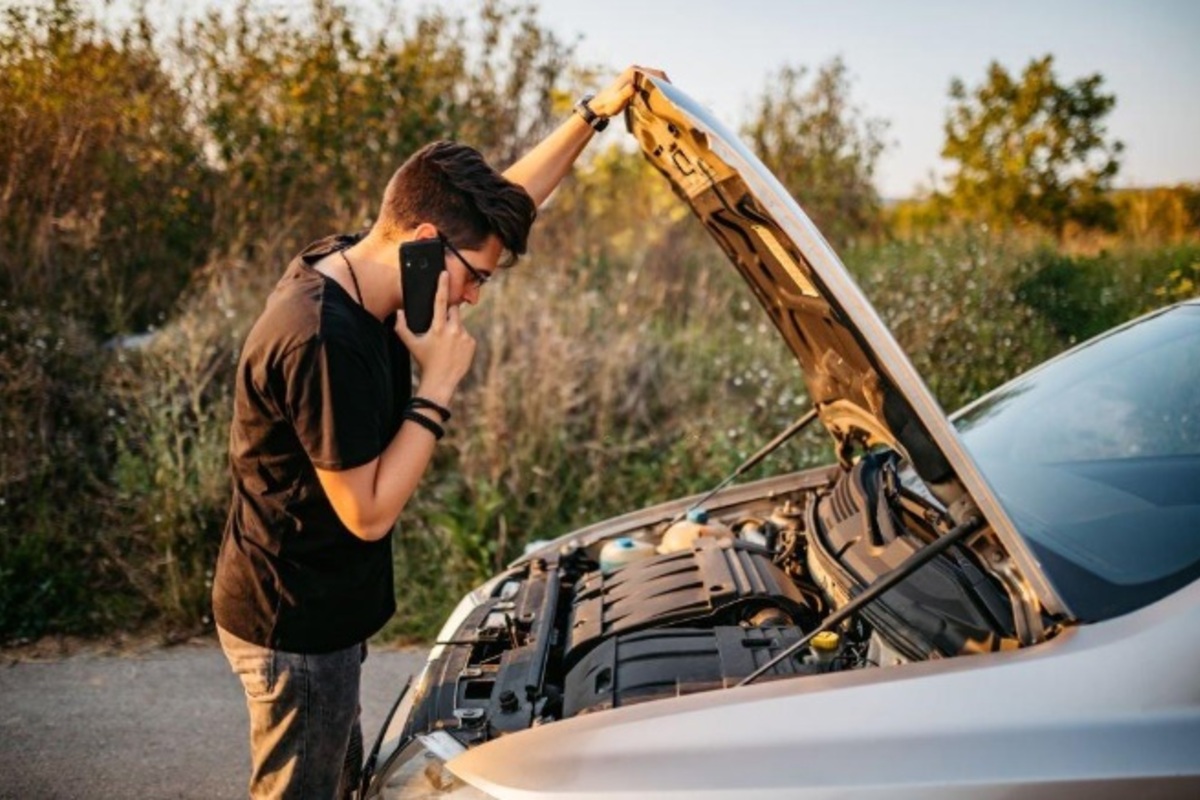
<point>425,230</point>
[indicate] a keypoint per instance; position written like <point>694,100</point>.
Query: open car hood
<point>864,388</point>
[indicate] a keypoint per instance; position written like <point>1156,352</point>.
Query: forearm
<point>368,499</point>
<point>398,473</point>
<point>541,169</point>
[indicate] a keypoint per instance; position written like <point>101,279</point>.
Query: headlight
<point>419,773</point>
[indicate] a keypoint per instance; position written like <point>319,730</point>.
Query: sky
<point>902,57</point>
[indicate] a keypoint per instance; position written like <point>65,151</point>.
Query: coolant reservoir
<point>619,552</point>
<point>682,534</point>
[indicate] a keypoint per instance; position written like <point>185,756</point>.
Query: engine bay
<point>701,601</point>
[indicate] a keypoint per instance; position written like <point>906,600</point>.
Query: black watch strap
<point>584,110</point>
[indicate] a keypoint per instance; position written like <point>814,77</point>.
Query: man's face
<point>468,267</point>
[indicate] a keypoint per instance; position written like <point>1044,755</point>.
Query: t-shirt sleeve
<point>328,398</point>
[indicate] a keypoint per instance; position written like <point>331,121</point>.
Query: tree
<point>102,204</point>
<point>821,148</point>
<point>1033,151</point>
<point>308,112</point>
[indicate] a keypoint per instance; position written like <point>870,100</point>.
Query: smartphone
<point>421,262</point>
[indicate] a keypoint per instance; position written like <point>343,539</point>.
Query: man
<point>329,441</point>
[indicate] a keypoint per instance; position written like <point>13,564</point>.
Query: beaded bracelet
<point>423,402</point>
<point>425,422</point>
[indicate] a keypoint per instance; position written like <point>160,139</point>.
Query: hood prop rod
<point>750,463</point>
<point>872,592</point>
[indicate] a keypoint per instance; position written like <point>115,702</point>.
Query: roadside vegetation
<point>155,178</point>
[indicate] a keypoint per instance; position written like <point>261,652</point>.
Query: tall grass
<point>599,386</point>
<point>624,363</point>
<point>155,182</point>
<point>596,389</point>
<point>602,389</point>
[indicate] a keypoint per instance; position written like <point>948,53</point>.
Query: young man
<point>329,441</point>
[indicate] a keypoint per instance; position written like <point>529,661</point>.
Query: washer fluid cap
<point>698,515</point>
<point>624,550</point>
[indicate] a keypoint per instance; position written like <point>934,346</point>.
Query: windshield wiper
<point>751,462</point>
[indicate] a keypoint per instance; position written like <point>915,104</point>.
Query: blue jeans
<point>305,737</point>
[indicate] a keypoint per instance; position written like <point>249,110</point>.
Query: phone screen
<point>421,262</point>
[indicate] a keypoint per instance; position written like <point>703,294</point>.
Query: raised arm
<point>543,168</point>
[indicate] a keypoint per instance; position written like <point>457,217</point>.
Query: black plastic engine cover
<point>466,685</point>
<point>948,605</point>
<point>720,580</point>
<point>654,664</point>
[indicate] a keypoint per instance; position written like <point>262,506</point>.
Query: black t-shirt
<point>321,382</point>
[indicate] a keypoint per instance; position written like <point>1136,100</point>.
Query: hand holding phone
<point>421,262</point>
<point>443,354</point>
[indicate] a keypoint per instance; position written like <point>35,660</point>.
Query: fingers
<point>613,100</point>
<point>441,300</point>
<point>443,354</point>
<point>656,73</point>
<point>402,330</point>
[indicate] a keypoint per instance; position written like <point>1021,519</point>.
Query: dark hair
<point>451,186</point>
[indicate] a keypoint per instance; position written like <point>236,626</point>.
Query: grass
<point>599,386</point>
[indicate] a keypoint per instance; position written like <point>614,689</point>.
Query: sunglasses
<point>478,276</point>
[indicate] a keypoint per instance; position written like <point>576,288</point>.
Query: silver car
<point>1004,604</point>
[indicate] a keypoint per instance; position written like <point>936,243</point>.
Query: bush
<point>130,161</point>
<point>308,114</point>
<point>973,310</point>
<point>169,485</point>
<point>55,423</point>
<point>104,211</point>
<point>1160,215</point>
<point>951,303</point>
<point>1081,296</point>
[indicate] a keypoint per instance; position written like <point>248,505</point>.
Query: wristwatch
<point>584,110</point>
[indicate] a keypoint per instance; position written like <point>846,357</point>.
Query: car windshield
<point>1096,458</point>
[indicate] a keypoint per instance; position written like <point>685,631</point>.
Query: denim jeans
<point>305,737</point>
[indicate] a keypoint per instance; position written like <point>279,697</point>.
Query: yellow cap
<point>826,641</point>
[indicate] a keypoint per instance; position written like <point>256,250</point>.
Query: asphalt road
<point>161,723</point>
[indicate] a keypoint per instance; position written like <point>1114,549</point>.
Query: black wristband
<point>584,109</point>
<point>425,422</point>
<point>423,402</point>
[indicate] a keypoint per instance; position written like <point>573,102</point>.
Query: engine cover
<point>650,665</point>
<point>948,606</point>
<point>718,581</point>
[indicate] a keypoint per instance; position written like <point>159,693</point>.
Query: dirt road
<point>161,723</point>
